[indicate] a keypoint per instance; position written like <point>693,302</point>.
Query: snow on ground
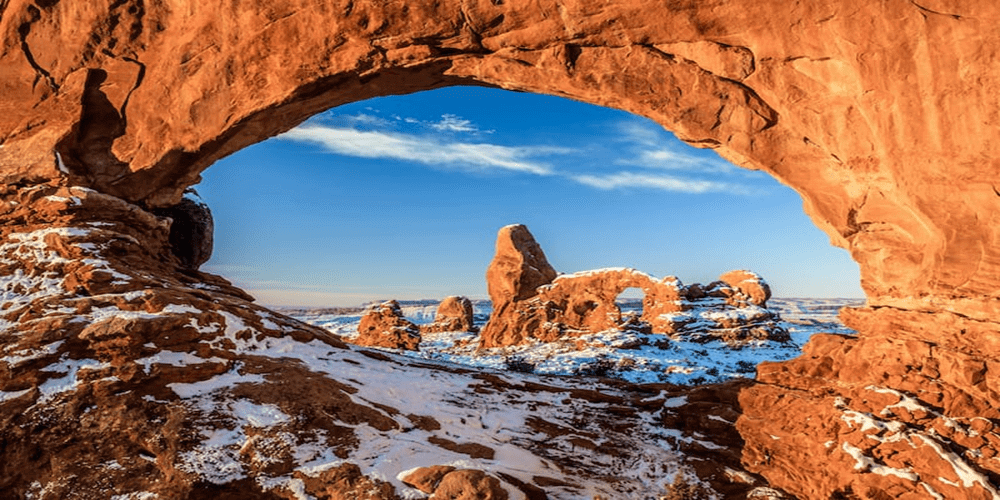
<point>496,421</point>
<point>630,356</point>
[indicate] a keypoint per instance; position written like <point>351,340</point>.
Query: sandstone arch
<point>863,109</point>
<point>882,115</point>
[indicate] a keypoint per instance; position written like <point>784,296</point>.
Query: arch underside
<point>847,116</point>
<point>882,115</point>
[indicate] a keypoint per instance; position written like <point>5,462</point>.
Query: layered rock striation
<point>532,303</point>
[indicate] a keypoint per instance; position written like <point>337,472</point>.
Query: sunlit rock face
<point>869,110</point>
<point>454,314</point>
<point>532,303</point>
<point>882,115</point>
<point>383,325</point>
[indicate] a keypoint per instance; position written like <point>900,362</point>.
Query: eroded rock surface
<point>383,325</point>
<point>468,484</point>
<point>892,415</point>
<point>454,314</point>
<point>135,99</point>
<point>732,309</point>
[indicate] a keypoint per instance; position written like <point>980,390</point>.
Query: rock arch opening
<point>413,188</point>
<point>631,304</point>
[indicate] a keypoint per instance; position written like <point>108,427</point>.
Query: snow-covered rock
<point>733,308</point>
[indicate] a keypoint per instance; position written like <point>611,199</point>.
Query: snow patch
<point>180,309</point>
<point>173,358</point>
<point>140,495</point>
<point>221,381</point>
<point>8,396</point>
<point>69,382</point>
<point>864,463</point>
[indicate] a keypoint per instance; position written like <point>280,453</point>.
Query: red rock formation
<point>383,325</point>
<point>137,108</point>
<point>454,314</point>
<point>749,288</point>
<point>445,482</point>
<point>584,302</point>
<point>518,267</point>
<point>191,230</point>
<point>468,484</point>
<point>427,479</point>
<point>880,114</point>
<point>906,418</point>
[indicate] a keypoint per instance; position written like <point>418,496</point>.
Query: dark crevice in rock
<point>191,232</point>
<point>23,30</point>
<point>100,124</point>
<point>924,11</point>
<point>138,81</point>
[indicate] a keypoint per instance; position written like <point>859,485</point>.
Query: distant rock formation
<point>531,302</point>
<point>454,314</point>
<point>383,325</point>
<point>748,288</point>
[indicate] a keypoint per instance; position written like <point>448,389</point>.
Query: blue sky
<point>401,197</point>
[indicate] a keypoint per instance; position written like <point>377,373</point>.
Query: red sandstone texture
<point>454,314</point>
<point>383,325</point>
<point>532,303</point>
<point>447,483</point>
<point>882,115</point>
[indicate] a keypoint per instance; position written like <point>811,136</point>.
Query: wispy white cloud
<point>639,132</point>
<point>426,149</point>
<point>652,147</point>
<point>662,182</point>
<point>645,155</point>
<point>370,120</point>
<point>454,123</point>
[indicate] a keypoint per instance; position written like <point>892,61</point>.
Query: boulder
<point>749,287</point>
<point>454,314</point>
<point>469,484</point>
<point>518,267</point>
<point>427,479</point>
<point>383,325</point>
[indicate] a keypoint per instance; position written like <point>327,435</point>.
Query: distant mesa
<point>532,303</point>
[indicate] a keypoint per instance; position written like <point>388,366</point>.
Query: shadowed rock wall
<point>882,115</point>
